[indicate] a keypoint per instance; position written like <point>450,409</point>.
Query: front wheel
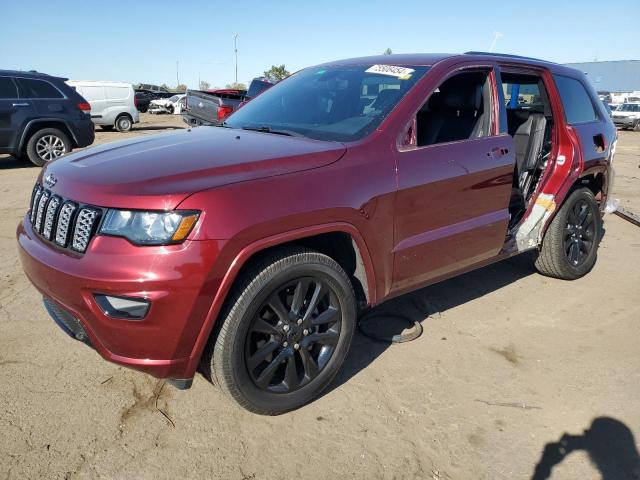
<point>570,245</point>
<point>285,332</point>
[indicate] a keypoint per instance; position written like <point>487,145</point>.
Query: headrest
<point>386,96</point>
<point>464,100</point>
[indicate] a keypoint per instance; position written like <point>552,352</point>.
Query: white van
<point>112,103</point>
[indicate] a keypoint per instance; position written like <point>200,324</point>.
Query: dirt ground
<point>508,364</point>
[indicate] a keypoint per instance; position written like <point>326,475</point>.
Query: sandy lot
<point>508,363</point>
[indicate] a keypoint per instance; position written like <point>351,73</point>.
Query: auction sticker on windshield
<point>403,73</point>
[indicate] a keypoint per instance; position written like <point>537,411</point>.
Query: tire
<point>305,353</point>
<point>570,246</point>
<point>46,145</point>
<point>108,128</point>
<point>170,109</point>
<point>124,123</point>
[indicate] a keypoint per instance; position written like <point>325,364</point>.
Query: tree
<point>236,86</point>
<point>181,88</point>
<point>276,74</point>
<point>388,51</point>
<point>166,87</point>
<point>204,85</point>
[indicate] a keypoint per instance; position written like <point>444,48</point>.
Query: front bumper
<point>176,279</point>
<point>625,122</point>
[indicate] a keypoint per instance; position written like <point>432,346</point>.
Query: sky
<point>141,40</point>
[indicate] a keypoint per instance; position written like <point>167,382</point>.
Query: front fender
<point>234,255</point>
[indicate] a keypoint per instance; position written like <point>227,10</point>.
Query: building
<point>614,76</point>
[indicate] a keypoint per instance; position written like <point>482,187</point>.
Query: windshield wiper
<point>267,129</point>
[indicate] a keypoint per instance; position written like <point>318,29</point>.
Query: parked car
<point>344,185</point>
<point>41,117</point>
<point>143,99</point>
<point>257,86</point>
<point>627,116</point>
<point>210,107</point>
<point>173,105</point>
<point>113,104</point>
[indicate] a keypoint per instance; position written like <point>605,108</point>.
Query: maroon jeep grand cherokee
<point>249,248</point>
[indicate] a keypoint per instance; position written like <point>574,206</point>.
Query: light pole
<point>235,48</point>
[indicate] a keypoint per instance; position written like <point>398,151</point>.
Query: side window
<point>117,93</point>
<point>578,107</point>
<point>7,88</point>
<point>459,109</point>
<point>32,88</point>
<point>92,93</point>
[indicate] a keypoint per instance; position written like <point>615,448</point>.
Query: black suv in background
<point>41,116</point>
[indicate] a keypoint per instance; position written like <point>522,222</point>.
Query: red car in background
<point>211,107</point>
<point>250,249</point>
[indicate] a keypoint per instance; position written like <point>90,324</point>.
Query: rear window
<point>578,107</point>
<point>8,88</point>
<point>32,88</point>
<point>117,93</point>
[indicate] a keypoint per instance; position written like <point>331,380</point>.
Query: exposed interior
<point>457,110</point>
<point>530,123</point>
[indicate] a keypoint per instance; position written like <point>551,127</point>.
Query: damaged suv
<point>248,249</point>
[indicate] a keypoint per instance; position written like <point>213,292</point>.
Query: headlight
<point>149,228</point>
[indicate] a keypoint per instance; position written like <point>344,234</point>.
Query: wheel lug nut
<point>305,332</point>
<point>296,346</point>
<point>285,344</point>
<point>299,321</point>
<point>286,328</point>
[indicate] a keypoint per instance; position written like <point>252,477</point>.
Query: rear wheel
<point>285,332</point>
<point>570,245</point>
<point>46,145</point>
<point>124,123</point>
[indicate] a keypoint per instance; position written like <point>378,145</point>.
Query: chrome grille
<point>52,210</point>
<point>62,221</point>
<point>65,220</point>
<point>42,203</point>
<point>84,228</point>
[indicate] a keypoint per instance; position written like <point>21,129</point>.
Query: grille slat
<point>42,203</point>
<point>49,219</point>
<point>84,229</point>
<point>65,220</point>
<point>62,221</point>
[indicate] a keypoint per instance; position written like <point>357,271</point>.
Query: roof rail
<point>506,55</point>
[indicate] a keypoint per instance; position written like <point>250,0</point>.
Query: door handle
<point>20,104</point>
<point>497,152</point>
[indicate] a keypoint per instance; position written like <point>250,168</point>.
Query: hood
<point>162,102</point>
<point>159,171</point>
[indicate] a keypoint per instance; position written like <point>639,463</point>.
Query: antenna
<point>496,36</point>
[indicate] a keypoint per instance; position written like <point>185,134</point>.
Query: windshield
<point>341,103</point>
<point>174,98</point>
<point>629,107</point>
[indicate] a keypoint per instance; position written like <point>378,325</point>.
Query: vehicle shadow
<point>418,306</point>
<point>7,162</point>
<point>609,444</point>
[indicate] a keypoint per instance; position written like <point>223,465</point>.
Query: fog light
<point>130,308</point>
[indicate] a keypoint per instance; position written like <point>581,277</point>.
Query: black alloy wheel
<point>293,335</point>
<point>284,332</point>
<point>579,234</point>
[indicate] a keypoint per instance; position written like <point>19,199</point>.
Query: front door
<point>454,182</point>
